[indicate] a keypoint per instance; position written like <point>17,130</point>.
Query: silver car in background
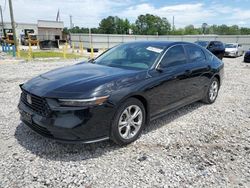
<point>233,50</point>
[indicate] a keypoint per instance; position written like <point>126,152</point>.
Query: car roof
<point>208,41</point>
<point>162,43</point>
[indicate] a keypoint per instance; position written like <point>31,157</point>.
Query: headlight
<point>83,102</point>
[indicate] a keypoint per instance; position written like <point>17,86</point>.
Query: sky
<point>88,13</point>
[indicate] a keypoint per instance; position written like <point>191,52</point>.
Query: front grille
<point>38,104</point>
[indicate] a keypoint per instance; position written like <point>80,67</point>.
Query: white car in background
<point>233,50</point>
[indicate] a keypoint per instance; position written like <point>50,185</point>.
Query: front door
<point>169,87</point>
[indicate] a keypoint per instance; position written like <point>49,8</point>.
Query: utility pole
<point>71,23</point>
<point>1,11</point>
<point>13,23</point>
<point>173,24</point>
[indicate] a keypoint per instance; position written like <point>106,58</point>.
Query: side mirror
<point>91,60</point>
<point>159,68</point>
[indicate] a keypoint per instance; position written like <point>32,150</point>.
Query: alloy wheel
<point>213,90</point>
<point>130,122</point>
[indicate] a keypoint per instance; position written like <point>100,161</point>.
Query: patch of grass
<point>48,54</point>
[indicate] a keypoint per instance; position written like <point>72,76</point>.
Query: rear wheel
<point>212,91</point>
<point>128,122</point>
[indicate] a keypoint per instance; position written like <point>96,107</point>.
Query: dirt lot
<point>197,146</point>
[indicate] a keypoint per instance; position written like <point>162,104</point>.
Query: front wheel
<point>212,91</point>
<point>128,122</point>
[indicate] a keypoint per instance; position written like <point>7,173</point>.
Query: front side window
<point>174,56</point>
<point>195,53</point>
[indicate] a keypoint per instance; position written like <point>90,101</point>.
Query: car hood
<point>230,49</point>
<point>81,80</point>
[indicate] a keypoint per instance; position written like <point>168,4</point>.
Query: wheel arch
<point>219,79</point>
<point>143,100</point>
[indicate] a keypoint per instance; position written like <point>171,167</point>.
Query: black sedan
<point>118,93</point>
<point>247,56</point>
<point>216,47</point>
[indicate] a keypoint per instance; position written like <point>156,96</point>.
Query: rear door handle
<point>188,72</point>
<point>208,67</point>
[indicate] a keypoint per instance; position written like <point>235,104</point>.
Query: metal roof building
<point>44,29</point>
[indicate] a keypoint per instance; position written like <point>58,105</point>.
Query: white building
<point>44,29</point>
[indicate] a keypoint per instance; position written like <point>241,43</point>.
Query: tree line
<point>149,24</point>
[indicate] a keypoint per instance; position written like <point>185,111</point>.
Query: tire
<point>126,129</point>
<point>212,91</point>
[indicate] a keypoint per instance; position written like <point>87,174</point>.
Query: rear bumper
<point>230,54</point>
<point>247,59</point>
<point>84,126</point>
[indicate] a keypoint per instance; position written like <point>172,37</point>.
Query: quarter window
<point>174,56</point>
<point>195,53</point>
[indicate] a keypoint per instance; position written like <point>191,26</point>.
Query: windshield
<point>230,46</point>
<point>131,55</point>
<point>202,43</point>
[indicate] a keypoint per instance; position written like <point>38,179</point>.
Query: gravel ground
<point>197,146</point>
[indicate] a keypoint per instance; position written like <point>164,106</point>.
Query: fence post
<point>64,51</point>
<point>73,47</point>
<point>108,40</point>
<point>92,52</point>
<point>81,48</point>
<point>30,52</point>
<point>18,51</point>
<point>3,47</point>
<point>14,51</point>
<point>8,48</point>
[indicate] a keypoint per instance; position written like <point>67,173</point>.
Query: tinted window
<point>174,56</point>
<point>202,43</point>
<point>218,44</point>
<point>195,53</point>
<point>209,55</point>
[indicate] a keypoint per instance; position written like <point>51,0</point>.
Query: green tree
<point>107,25</point>
<point>191,30</point>
<point>151,25</point>
<point>114,25</point>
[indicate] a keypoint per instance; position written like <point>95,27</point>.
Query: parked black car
<point>216,47</point>
<point>247,56</point>
<point>115,95</point>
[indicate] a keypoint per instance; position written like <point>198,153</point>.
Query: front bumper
<point>85,125</point>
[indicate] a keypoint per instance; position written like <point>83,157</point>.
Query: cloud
<point>184,14</point>
<point>88,13</point>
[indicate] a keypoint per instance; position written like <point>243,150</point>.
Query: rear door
<point>199,67</point>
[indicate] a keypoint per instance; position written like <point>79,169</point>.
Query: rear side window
<point>174,56</point>
<point>195,53</point>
